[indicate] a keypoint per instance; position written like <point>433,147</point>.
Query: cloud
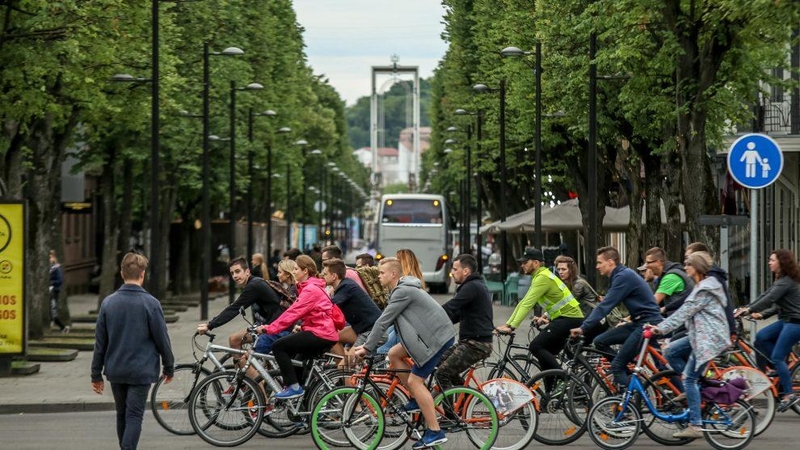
<point>346,38</point>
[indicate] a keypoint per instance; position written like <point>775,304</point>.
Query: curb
<point>41,408</point>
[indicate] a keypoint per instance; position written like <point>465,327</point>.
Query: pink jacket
<point>313,307</point>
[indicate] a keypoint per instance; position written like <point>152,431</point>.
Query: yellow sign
<point>12,278</point>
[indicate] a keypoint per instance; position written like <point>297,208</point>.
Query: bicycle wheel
<point>729,427</point>
<point>796,385</point>
<point>331,379</point>
<point>760,395</point>
<point>170,402</point>
<point>395,432</point>
<point>517,429</point>
<point>560,422</point>
<point>222,417</point>
<point>365,427</point>
<point>611,426</point>
<point>468,417</point>
<point>661,389</point>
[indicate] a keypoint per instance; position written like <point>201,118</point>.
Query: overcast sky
<point>345,38</point>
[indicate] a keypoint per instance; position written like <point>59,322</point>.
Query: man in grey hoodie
<point>425,333</point>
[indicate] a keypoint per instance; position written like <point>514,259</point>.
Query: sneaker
<point>623,425</point>
<point>788,402</point>
<point>430,439</point>
<point>411,406</point>
<point>690,432</point>
<point>290,393</point>
<point>66,330</point>
<point>680,398</point>
<point>228,393</point>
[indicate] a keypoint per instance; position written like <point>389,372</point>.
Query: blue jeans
<point>391,341</point>
<point>692,389</point>
<point>777,340</point>
<point>630,336</point>
<point>129,400</point>
<point>678,353</point>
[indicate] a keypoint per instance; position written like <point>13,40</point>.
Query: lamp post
<point>281,130</point>
<point>315,152</point>
<point>302,241</point>
<point>232,175</point>
<point>250,116</point>
<point>479,129</point>
<point>537,197</point>
<point>331,170</point>
<point>503,172</point>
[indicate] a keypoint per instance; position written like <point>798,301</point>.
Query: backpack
<point>338,317</point>
<point>378,293</point>
<point>286,297</point>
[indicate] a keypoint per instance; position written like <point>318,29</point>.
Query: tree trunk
<point>109,259</point>
<point>126,208</point>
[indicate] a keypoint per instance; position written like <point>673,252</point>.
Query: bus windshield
<point>407,211</point>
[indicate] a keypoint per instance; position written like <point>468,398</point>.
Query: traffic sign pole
<point>753,252</point>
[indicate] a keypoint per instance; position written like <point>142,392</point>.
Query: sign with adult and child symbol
<point>755,161</point>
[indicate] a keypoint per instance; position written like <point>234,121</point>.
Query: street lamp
<point>537,70</point>
<point>314,152</point>
<point>503,171</point>
<point>302,241</point>
<point>232,175</point>
<point>479,128</point>
<point>206,219</point>
<point>250,116</point>
<point>270,175</point>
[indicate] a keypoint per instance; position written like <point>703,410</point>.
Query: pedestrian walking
<point>130,338</point>
<point>56,280</point>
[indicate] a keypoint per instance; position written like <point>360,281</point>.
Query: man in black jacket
<point>472,307</point>
<point>257,295</point>
<point>130,337</point>
<point>357,306</point>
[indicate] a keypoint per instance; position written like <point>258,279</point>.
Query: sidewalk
<point>65,386</point>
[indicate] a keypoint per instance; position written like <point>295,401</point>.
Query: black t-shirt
<point>258,295</point>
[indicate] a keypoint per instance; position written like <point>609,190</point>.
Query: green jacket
<point>547,290</point>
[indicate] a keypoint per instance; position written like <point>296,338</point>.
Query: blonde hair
<point>392,264</point>
<point>133,266</point>
<point>288,266</point>
<point>262,264</point>
<point>701,261</point>
<point>307,263</point>
<point>410,264</point>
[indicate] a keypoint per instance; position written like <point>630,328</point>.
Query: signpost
<point>755,161</point>
<point>12,283</point>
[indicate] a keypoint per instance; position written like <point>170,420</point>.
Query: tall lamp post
<point>250,116</point>
<point>315,152</point>
<point>302,241</point>
<point>281,130</point>
<point>537,70</point>
<point>479,129</point>
<point>232,175</point>
<point>503,171</point>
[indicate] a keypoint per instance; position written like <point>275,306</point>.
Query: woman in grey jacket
<point>777,339</point>
<point>425,332</point>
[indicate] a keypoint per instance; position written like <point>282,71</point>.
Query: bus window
<point>408,211</point>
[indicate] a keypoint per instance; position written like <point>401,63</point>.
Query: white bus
<point>420,223</point>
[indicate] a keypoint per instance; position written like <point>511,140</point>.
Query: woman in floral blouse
<point>703,313</point>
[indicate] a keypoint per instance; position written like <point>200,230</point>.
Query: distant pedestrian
<point>130,338</point>
<point>56,281</point>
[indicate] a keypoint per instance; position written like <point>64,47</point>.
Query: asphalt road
<point>96,430</point>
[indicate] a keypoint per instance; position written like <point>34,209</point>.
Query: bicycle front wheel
<point>729,427</point>
<point>563,403</point>
<point>661,389</point>
<point>612,425</point>
<point>517,429</point>
<point>468,417</point>
<point>226,409</point>
<point>342,418</point>
<point>170,401</point>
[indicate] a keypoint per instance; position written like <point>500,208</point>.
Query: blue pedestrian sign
<point>755,161</point>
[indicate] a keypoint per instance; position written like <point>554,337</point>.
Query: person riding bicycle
<point>471,306</point>
<point>777,340</point>
<point>425,332</point>
<point>629,288</point>
<point>703,314</point>
<point>673,285</point>
<point>256,294</point>
<point>562,310</point>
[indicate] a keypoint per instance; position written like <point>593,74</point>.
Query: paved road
<point>95,430</point>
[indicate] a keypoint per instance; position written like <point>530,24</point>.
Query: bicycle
<point>615,423</point>
<point>169,402</point>
<point>355,412</point>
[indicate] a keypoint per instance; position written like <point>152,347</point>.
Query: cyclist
<point>256,294</point>
<point>561,311</point>
<point>703,314</point>
<point>672,283</point>
<point>471,306</point>
<point>629,288</point>
<point>425,332</point>
<point>584,293</point>
<point>776,340</point>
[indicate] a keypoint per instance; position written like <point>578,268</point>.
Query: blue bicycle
<point>616,422</point>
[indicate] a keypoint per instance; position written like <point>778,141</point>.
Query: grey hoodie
<point>420,322</point>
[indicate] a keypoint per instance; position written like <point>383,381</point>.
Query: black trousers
<point>303,343</point>
<point>549,343</point>
<point>129,400</point>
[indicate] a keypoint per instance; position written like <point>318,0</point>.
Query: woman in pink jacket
<point>318,332</point>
